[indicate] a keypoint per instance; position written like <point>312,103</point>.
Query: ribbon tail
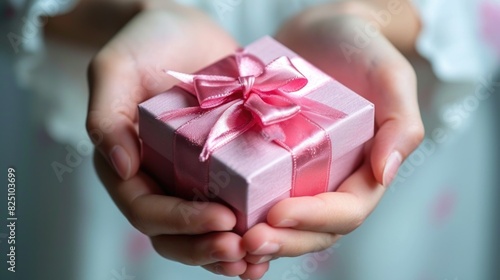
<point>185,78</point>
<point>320,109</point>
<point>231,124</point>
<point>281,74</point>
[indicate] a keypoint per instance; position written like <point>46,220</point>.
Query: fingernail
<point>264,259</point>
<point>287,223</point>
<point>121,161</point>
<point>391,167</point>
<point>267,248</point>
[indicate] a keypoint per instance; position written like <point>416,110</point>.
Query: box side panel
<point>158,134</point>
<point>264,166</point>
<point>344,166</point>
<point>160,168</point>
<point>259,171</point>
<point>247,220</point>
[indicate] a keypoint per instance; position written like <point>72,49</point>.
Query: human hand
<point>127,71</point>
<point>326,36</point>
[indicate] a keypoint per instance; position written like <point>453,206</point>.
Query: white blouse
<point>459,37</point>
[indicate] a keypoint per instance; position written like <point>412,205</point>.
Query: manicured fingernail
<point>267,248</point>
<point>264,259</point>
<point>391,167</point>
<point>287,223</point>
<point>121,161</point>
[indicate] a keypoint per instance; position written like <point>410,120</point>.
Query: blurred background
<point>439,220</point>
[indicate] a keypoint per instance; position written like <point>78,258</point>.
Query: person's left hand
<point>124,73</point>
<point>378,72</point>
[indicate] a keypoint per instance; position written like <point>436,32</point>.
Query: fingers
<point>390,84</point>
<point>400,128</point>
<point>146,207</point>
<point>201,249</point>
<point>374,69</point>
<point>265,240</point>
<point>258,259</point>
<point>159,214</point>
<point>255,271</point>
<point>230,269</point>
<point>393,143</point>
<point>128,70</point>
<point>339,212</point>
<point>239,268</point>
<point>114,93</point>
<point>382,75</point>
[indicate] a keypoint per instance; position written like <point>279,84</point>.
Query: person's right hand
<point>328,36</point>
<point>127,71</point>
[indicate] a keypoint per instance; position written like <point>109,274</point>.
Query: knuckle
<point>93,67</point>
<point>136,218</point>
<point>158,245</point>
<point>93,123</point>
<point>325,241</point>
<point>175,220</point>
<point>190,259</point>
<point>105,61</point>
<point>90,124</point>
<point>416,133</point>
<point>189,256</point>
<point>164,248</point>
<point>395,75</point>
<point>406,70</point>
<point>358,218</point>
<point>100,59</point>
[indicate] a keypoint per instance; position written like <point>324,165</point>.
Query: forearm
<point>94,22</point>
<point>396,19</point>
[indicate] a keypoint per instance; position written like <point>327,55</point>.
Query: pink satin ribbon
<point>262,95</point>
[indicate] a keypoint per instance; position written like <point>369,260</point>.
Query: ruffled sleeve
<point>30,16</point>
<point>459,38</point>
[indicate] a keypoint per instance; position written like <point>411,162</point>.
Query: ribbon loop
<point>263,96</point>
<point>271,109</point>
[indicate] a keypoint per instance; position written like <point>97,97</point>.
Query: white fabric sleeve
<point>30,20</point>
<point>454,38</point>
<point>248,20</point>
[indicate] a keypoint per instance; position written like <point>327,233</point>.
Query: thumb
<point>400,129</point>
<point>393,143</point>
<point>114,93</point>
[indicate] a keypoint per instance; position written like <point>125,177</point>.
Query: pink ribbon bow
<point>260,94</point>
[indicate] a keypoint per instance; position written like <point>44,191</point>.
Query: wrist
<point>395,19</point>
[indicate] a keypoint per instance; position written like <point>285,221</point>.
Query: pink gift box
<point>250,173</point>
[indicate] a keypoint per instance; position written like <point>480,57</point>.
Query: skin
<point>123,74</point>
<point>127,71</point>
<point>380,73</point>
